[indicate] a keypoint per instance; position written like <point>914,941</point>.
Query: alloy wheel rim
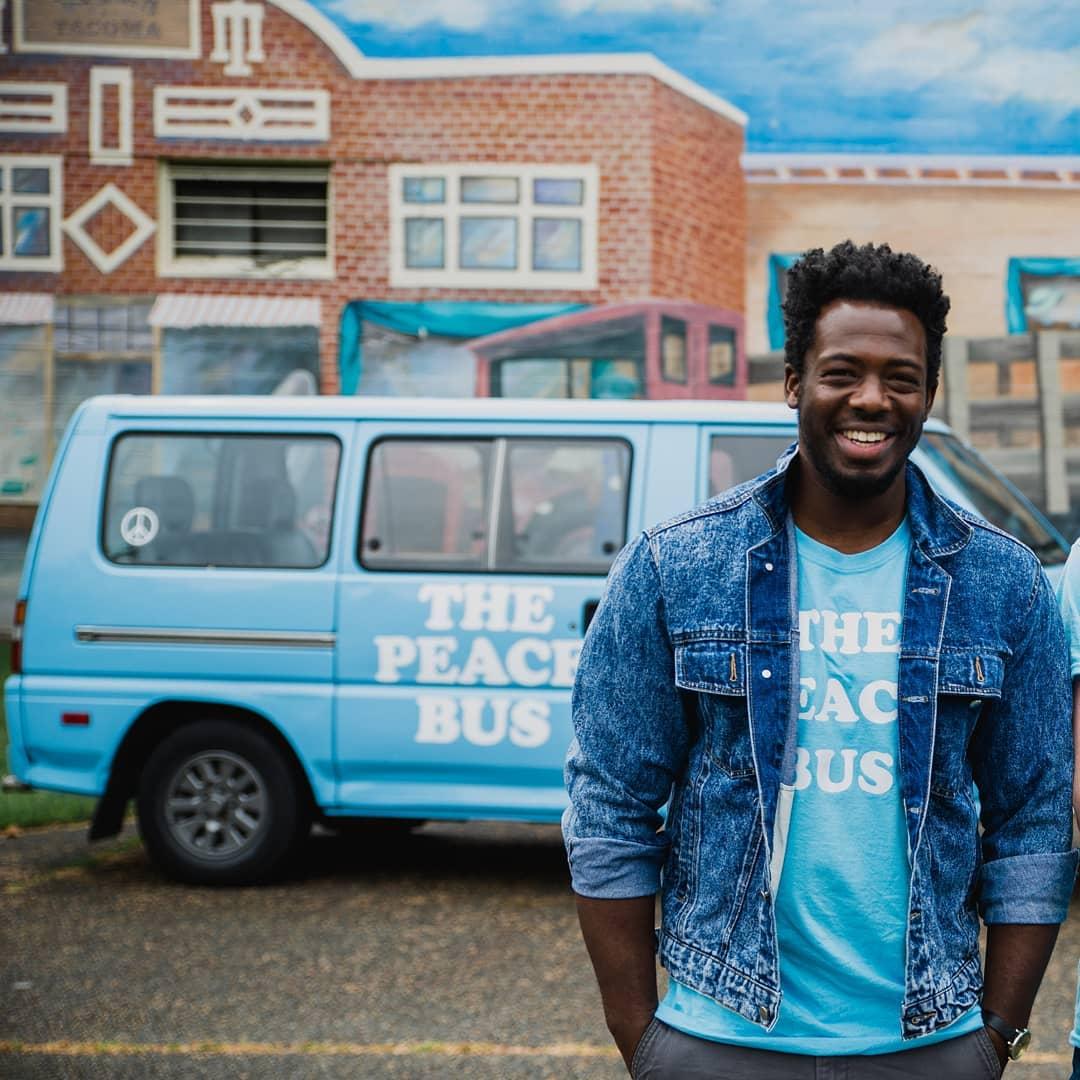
<point>216,805</point>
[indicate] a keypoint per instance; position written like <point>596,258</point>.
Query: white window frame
<point>121,153</point>
<point>54,201</point>
<point>168,265</point>
<point>525,210</point>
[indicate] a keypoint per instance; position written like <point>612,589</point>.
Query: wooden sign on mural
<point>108,27</point>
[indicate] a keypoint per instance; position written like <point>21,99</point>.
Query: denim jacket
<point>687,697</point>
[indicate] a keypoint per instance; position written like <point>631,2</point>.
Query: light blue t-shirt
<point>1069,599</point>
<point>843,893</point>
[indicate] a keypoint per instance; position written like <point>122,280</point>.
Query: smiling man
<point>830,676</point>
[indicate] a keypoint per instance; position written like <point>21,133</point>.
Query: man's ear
<point>792,386</point>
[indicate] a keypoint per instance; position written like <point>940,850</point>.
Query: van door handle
<point>587,613</point>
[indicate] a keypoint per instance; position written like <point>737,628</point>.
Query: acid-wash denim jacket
<point>687,696</point>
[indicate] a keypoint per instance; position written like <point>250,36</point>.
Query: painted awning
<point>178,311</point>
<point>26,309</point>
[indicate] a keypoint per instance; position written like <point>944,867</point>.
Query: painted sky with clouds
<point>924,76</point>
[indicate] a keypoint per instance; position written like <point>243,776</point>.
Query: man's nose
<point>869,395</point>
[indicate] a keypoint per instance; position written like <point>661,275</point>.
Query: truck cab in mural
<point>649,349</point>
<point>654,349</point>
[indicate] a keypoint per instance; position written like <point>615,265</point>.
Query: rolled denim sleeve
<point>1022,759</point>
<point>630,737</point>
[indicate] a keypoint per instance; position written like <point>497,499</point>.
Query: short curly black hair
<point>867,272</point>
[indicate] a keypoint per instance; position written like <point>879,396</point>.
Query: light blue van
<point>249,614</point>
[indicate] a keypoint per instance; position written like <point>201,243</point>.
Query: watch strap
<point>1010,1034</point>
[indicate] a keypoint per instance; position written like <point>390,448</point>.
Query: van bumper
<point>16,752</point>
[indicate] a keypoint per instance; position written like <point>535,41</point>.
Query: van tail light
<point>17,637</point>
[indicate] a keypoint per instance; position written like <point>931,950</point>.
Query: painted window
<point>493,226</point>
<point>1043,294</point>
<point>720,355</point>
<point>245,501</point>
<point>673,350</point>
<point>254,222</point>
<point>30,212</point>
<point>779,264</point>
<point>496,505</point>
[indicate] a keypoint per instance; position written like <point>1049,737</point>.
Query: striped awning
<point>177,311</point>
<point>25,309</point>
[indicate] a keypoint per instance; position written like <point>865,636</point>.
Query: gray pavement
<point>452,952</point>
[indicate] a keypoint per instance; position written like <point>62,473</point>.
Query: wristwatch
<point>1016,1039</point>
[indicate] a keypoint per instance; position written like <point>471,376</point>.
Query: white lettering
<point>529,723</point>
<point>836,705</point>
<point>435,666</point>
<point>882,631</point>
<point>824,770</point>
<point>806,687</point>
<point>439,599</point>
<point>868,705</point>
<point>519,670</point>
<point>840,633</point>
<point>875,767</point>
<point>530,607</point>
<point>394,652</point>
<point>438,721</point>
<point>472,720</point>
<point>487,607</point>
<point>565,653</point>
<point>483,665</point>
<point>807,620</point>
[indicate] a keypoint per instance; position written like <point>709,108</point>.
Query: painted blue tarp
<point>777,264</point>
<point>1015,316</point>
<point>442,318</point>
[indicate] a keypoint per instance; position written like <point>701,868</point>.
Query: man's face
<point>862,397</point>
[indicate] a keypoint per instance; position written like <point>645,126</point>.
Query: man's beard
<point>854,487</point>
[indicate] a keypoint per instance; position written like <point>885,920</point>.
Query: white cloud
<point>909,55</point>
<point>971,55</point>
<point>574,8</point>
<point>408,14</point>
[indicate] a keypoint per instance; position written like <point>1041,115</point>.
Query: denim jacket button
<point>766,674</point>
<point>769,566</point>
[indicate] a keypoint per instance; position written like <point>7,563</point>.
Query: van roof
<point>332,407</point>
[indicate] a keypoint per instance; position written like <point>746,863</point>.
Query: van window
<point>733,459</point>
<point>568,503</point>
<point>991,497</point>
<point>232,500</point>
<point>497,505</point>
<point>427,505</point>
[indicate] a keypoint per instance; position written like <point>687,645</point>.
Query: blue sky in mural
<point>925,76</point>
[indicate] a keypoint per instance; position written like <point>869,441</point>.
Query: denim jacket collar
<point>936,528</point>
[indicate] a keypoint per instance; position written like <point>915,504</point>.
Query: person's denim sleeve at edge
<point>1022,761</point>
<point>630,737</point>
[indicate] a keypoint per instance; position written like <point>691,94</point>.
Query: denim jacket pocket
<point>716,671</point>
<point>969,679</point>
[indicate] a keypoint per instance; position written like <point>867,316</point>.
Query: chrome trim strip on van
<point>133,635</point>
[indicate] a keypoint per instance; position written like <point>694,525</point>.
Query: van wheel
<point>219,805</point>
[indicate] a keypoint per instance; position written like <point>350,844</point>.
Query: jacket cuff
<point>1028,888</point>
<point>607,869</point>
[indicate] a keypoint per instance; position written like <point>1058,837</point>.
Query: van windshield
<point>991,497</point>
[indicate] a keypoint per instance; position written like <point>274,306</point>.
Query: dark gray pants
<point>665,1053</point>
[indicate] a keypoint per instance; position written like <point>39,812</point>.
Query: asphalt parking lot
<point>451,952</point>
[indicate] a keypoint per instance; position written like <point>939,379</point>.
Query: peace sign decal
<point>139,526</point>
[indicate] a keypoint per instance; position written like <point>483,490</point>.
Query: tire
<point>219,805</point>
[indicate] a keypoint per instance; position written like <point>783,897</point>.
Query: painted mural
<point>918,77</point>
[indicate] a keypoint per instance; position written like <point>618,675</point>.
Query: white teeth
<point>865,436</point>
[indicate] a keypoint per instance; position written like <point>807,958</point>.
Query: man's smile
<point>864,444</point>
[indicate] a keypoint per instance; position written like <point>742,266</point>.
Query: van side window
<point>568,504</point>
<point>426,504</point>
<point>498,506</point>
<point>220,500</point>
<point>733,459</point>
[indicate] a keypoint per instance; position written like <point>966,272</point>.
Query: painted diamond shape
<point>107,261</point>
